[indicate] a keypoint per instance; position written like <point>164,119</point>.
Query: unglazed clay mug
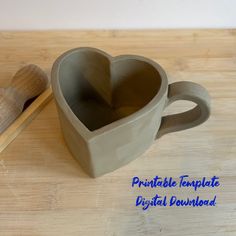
<point>110,108</point>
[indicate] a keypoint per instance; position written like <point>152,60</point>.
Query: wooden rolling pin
<point>28,82</point>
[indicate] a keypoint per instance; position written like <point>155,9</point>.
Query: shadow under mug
<point>110,108</point>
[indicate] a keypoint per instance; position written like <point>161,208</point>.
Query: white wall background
<point>116,14</point>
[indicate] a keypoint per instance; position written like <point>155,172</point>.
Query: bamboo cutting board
<point>43,190</point>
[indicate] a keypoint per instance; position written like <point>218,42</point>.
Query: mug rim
<point>75,121</point>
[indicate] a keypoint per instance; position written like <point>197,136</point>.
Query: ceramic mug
<point>110,108</point>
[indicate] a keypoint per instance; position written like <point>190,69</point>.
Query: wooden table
<point>44,191</point>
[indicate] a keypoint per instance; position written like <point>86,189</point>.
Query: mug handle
<point>185,90</point>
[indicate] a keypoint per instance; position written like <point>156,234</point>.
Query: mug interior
<point>100,91</point>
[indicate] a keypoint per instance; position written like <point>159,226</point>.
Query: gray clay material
<point>110,108</point>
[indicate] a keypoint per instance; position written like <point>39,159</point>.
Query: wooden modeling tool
<point>28,82</point>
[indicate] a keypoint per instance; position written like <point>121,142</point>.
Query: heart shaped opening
<point>101,90</point>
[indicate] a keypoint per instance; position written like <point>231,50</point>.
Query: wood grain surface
<point>43,190</point>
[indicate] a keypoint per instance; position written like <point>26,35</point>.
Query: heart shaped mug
<point>110,108</point>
